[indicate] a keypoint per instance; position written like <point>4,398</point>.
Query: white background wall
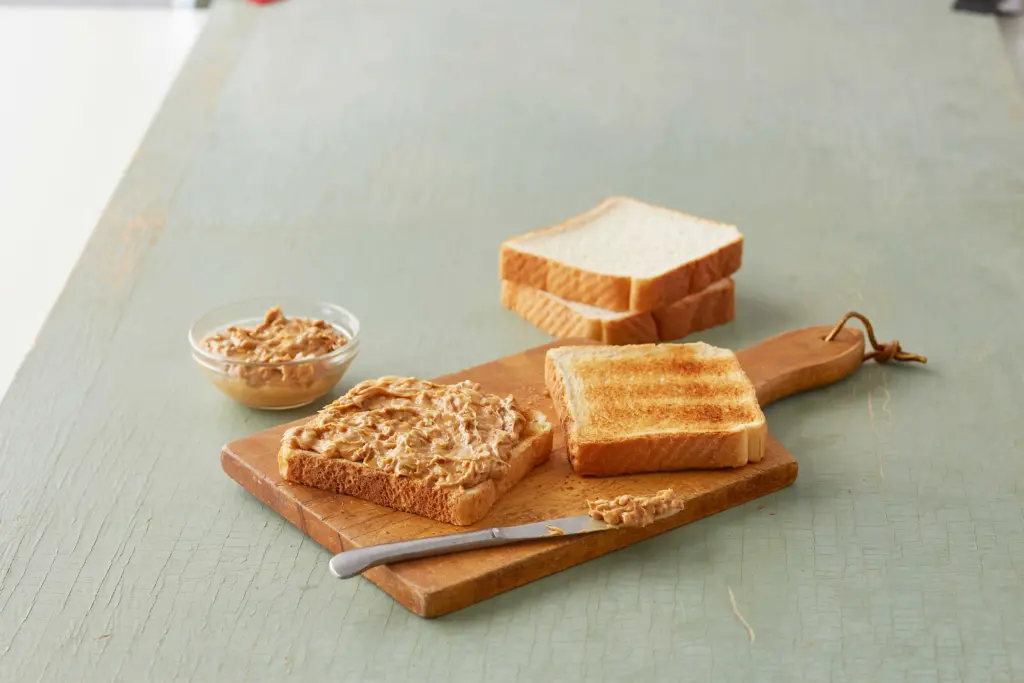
<point>78,89</point>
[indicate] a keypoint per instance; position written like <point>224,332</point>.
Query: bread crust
<point>709,308</point>
<point>665,453</point>
<point>638,453</point>
<point>635,329</point>
<point>555,383</point>
<point>615,292</point>
<point>452,505</point>
<point>549,315</point>
<point>713,306</point>
<point>653,293</point>
<point>569,282</point>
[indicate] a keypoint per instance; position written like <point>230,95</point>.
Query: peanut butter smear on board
<point>446,435</point>
<point>635,511</point>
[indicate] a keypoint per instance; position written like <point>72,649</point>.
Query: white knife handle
<point>350,563</point>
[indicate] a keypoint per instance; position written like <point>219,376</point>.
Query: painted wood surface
<point>376,154</point>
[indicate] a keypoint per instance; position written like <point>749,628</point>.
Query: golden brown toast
<point>654,407</point>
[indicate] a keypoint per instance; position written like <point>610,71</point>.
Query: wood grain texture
<point>439,585</point>
<point>799,360</point>
<point>389,148</point>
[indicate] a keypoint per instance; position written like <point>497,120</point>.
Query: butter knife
<point>351,563</point>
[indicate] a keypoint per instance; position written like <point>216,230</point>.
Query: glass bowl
<point>275,385</point>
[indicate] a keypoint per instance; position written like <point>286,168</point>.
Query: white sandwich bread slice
<point>654,407</point>
<point>713,306</point>
<point>624,255</point>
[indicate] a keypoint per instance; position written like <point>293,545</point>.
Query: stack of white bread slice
<point>625,272</point>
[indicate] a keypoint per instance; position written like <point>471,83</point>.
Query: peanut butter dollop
<point>635,511</point>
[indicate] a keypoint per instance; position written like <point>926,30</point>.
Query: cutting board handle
<point>800,360</point>
<point>815,356</point>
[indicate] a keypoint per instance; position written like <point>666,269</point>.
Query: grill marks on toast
<point>657,417</point>
<point>680,403</point>
<point>668,389</point>
<point>654,389</point>
<point>664,365</point>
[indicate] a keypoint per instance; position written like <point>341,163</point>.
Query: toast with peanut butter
<point>654,407</point>
<point>446,452</point>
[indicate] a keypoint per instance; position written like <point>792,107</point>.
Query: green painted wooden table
<point>375,154</point>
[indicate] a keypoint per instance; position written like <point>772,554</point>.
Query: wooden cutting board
<point>430,587</point>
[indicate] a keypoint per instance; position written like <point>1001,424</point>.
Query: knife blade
<point>351,563</point>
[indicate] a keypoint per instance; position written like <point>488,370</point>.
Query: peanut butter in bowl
<point>288,355</point>
<point>276,340</point>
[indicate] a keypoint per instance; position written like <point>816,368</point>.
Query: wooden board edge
<point>585,548</point>
<point>394,585</point>
<point>455,597</point>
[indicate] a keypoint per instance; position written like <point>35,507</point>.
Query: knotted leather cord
<point>882,353</point>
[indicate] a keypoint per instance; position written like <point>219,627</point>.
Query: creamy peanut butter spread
<point>276,340</point>
<point>446,435</point>
<point>635,511</point>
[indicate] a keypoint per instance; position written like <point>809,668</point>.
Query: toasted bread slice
<point>453,505</point>
<point>654,407</point>
<point>707,308</point>
<point>624,255</point>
